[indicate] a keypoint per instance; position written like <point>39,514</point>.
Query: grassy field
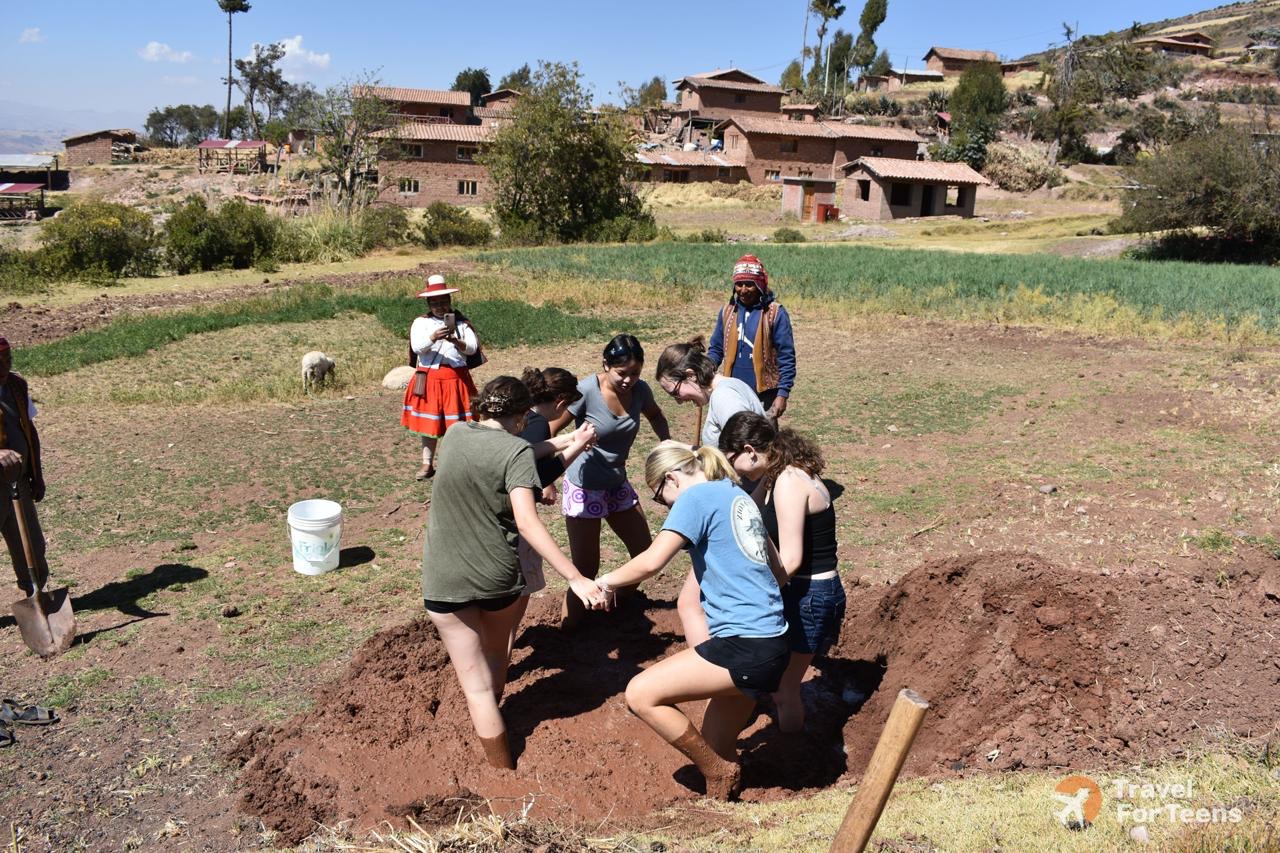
<point>918,420</point>
<point>1120,296</point>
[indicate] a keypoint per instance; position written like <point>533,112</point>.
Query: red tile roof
<point>416,131</point>
<point>415,96</point>
<point>711,83</point>
<point>965,55</point>
<point>19,189</point>
<point>917,170</point>
<point>823,129</point>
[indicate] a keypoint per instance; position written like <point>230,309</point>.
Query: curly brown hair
<point>785,447</point>
<point>502,397</point>
<point>550,384</point>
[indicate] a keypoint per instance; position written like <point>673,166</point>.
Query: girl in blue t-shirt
<point>738,572</point>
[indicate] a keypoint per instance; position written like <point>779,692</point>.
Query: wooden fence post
<point>881,773</point>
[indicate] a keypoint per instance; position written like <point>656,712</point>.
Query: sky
<point>130,57</point>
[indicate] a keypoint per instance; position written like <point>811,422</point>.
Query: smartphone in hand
<point>451,323</point>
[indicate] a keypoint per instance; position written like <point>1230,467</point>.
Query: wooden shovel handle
<point>881,774</point>
<point>24,532</point>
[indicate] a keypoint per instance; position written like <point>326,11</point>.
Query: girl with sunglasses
<point>739,577</point>
<point>595,484</point>
<point>685,372</point>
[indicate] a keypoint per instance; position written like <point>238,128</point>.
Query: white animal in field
<point>317,368</point>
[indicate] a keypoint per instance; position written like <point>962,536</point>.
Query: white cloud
<point>157,51</point>
<point>298,62</point>
<point>31,35</point>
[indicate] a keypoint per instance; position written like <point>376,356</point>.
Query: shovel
<point>45,619</point>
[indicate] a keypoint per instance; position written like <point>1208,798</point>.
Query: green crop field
<point>944,283</point>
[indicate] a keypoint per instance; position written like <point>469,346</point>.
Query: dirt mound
<point>1027,664</point>
<point>1024,663</point>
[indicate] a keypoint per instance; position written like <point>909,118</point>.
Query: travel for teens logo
<point>1078,802</point>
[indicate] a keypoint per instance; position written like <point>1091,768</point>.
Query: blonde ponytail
<point>674,456</point>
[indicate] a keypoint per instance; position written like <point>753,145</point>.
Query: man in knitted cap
<point>20,461</point>
<point>752,340</point>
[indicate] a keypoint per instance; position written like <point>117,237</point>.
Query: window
<point>805,173</point>
<point>899,195</point>
<point>739,99</point>
<point>789,146</point>
<point>864,189</point>
<point>953,196</point>
<point>409,186</point>
<point>772,175</point>
<point>467,153</point>
<point>466,187</point>
<point>796,117</point>
<point>446,112</point>
<point>410,149</point>
<point>733,141</point>
<point>877,152</point>
<point>673,176</point>
<point>722,173</point>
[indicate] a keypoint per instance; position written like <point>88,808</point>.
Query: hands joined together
<point>594,594</point>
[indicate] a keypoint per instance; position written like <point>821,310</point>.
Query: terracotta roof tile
<point>829,130</point>
<point>416,96</point>
<point>676,157</point>
<point>917,170</point>
<point>417,131</point>
<point>709,83</point>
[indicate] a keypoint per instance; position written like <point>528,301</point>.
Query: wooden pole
<point>881,773</point>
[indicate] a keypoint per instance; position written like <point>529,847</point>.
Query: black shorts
<point>755,664</point>
<point>489,604</point>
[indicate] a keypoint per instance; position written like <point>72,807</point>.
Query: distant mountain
<point>29,128</point>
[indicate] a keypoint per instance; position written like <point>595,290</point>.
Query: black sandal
<point>6,737</point>
<point>32,715</point>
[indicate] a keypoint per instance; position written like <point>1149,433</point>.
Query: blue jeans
<point>814,611</point>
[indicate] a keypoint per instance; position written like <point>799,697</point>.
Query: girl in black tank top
<point>800,517</point>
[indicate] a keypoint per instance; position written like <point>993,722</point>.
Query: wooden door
<point>806,212</point>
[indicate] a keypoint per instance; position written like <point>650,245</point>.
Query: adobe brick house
<point>888,188</point>
<point>899,77</point>
<point>673,166</point>
<point>1187,44</point>
<point>801,112</point>
<point>424,162</point>
<point>503,99</point>
<point>707,99</point>
<point>807,198</point>
<point>427,105</point>
<point>952,61</point>
<point>775,148</point>
<point>1019,66</point>
<point>100,146</point>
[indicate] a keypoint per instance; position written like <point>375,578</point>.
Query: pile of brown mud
<point>1024,663</point>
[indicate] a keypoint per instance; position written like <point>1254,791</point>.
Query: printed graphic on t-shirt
<point>746,346</point>
<point>748,529</point>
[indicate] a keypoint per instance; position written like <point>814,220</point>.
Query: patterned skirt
<point>447,401</point>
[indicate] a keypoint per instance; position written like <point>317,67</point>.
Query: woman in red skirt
<point>439,394</point>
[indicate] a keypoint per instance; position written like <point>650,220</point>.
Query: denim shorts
<point>814,611</point>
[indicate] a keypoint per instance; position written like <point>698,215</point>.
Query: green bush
<point>384,226</point>
<point>626,228</point>
<point>788,235</point>
<point>328,235</point>
<point>99,240</point>
<point>20,272</point>
<point>706,235</point>
<point>238,235</point>
<point>447,225</point>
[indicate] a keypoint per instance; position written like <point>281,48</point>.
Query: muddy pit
<point>1025,664</point>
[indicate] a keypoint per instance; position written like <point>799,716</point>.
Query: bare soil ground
<point>1027,520</point>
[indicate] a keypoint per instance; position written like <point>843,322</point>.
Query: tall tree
<point>864,49</point>
<point>827,11</point>
<point>231,7</point>
<point>977,105</point>
<point>520,79</point>
<point>260,76</point>
<point>558,178</point>
<point>792,76</point>
<point>343,120</point>
<point>648,95</point>
<point>474,81</point>
<point>883,66</point>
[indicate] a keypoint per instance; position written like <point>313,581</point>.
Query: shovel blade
<point>46,621</point>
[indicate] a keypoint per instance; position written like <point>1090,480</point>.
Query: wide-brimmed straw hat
<point>437,287</point>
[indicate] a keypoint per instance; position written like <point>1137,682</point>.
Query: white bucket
<point>315,527</point>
